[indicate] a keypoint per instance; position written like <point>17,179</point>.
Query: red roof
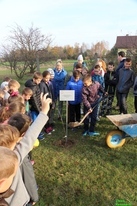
<point>128,42</point>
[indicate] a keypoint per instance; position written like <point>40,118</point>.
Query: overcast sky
<point>71,21</point>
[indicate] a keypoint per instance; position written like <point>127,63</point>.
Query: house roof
<point>127,41</point>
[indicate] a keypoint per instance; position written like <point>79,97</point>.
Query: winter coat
<point>110,82</point>
<point>90,94</point>
<point>98,78</point>
<point>35,101</point>
<point>126,79</point>
<point>45,88</point>
<point>69,75</point>
<point>58,81</point>
<point>77,87</point>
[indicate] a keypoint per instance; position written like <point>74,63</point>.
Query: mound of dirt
<point>65,143</point>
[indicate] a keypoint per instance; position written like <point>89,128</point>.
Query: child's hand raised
<point>45,103</point>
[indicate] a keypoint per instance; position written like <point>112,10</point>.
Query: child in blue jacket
<point>75,84</point>
<point>59,84</point>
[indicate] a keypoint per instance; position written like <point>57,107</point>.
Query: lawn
<point>86,173</point>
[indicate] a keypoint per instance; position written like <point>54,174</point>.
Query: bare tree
<point>100,48</point>
<point>25,50</point>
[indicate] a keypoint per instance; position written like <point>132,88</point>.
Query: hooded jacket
<point>59,81</point>
<point>77,87</point>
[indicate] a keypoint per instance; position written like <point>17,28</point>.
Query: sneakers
<point>49,130</point>
<point>41,136</point>
<point>93,133</point>
<point>85,133</point>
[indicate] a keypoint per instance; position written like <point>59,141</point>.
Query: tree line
<point>27,50</point>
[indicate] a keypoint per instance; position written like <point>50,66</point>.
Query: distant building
<point>127,43</point>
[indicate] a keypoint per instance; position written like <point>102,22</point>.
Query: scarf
<point>14,94</point>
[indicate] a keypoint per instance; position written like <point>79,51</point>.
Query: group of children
<point>17,137</point>
<point>26,116</point>
<point>21,112</point>
<point>98,100</point>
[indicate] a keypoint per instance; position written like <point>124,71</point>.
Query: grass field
<point>87,173</point>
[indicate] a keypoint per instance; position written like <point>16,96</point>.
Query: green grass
<point>88,173</point>
<point>67,64</point>
<point>4,73</point>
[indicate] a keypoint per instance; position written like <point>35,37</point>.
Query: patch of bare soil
<point>65,143</point>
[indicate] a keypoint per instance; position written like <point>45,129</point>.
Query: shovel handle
<point>84,117</point>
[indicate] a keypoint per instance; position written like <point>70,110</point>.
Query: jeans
<point>90,121</point>
<point>34,115</point>
<point>123,102</point>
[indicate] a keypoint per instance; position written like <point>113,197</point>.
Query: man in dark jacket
<point>126,79</point>
<point>121,59</point>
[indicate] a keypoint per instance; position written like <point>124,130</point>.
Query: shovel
<point>76,124</point>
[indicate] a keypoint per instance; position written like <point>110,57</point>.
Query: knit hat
<point>80,57</point>
<point>4,84</point>
<point>50,70</point>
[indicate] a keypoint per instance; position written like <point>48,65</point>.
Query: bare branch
<point>24,48</point>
